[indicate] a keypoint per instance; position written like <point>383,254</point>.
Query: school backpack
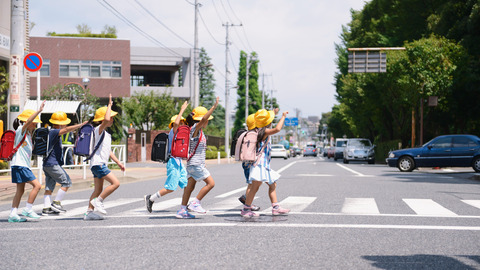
<point>235,140</point>
<point>181,142</point>
<point>40,141</point>
<point>160,148</point>
<point>7,148</point>
<point>85,140</point>
<point>248,148</point>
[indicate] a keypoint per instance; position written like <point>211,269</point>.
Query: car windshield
<point>277,147</point>
<point>359,143</point>
<point>341,143</point>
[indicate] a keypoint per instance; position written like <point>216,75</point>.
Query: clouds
<point>294,39</point>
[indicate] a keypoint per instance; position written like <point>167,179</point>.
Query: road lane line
<point>428,207</point>
<point>286,167</point>
<point>315,175</point>
<point>39,207</point>
<point>224,195</point>
<point>360,206</point>
<point>108,204</point>
<point>352,171</point>
<point>474,203</point>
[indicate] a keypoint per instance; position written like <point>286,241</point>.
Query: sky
<point>295,40</point>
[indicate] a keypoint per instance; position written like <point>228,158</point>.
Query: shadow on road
<point>421,261</point>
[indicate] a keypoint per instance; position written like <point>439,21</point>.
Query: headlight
<point>350,152</point>
<point>391,155</point>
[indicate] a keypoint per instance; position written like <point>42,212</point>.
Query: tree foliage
<point>440,60</point>
<point>3,89</point>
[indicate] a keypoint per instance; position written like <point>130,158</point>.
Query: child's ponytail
<point>16,123</point>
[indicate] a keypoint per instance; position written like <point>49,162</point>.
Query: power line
<point>208,30</point>
<point>136,28</point>
<point>161,23</point>
<point>228,2</point>
<point>216,11</point>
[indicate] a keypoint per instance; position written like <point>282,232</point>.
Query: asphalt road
<point>344,216</point>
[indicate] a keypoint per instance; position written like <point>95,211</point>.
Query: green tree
<point>83,29</point>
<point>3,89</point>
<point>254,95</point>
<point>109,30</point>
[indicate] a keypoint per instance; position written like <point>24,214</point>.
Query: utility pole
<point>196,90</point>
<point>227,89</point>
<point>16,98</point>
<point>263,89</point>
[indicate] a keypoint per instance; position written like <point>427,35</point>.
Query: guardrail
<point>119,150</point>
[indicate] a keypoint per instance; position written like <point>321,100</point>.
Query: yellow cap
<point>26,114</point>
<point>199,112</point>
<point>251,121</point>
<point>100,114</point>
<point>172,120</point>
<point>263,118</point>
<point>59,118</point>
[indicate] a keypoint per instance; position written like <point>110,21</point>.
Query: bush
<point>382,149</point>
<point>212,148</point>
<point>214,154</point>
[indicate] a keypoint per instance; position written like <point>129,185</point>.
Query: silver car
<point>359,150</point>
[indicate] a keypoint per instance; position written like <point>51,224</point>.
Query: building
<point>4,33</point>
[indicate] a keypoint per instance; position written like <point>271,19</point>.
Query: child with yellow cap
<point>98,164</point>
<point>196,170</point>
<point>176,172</point>
<point>52,164</point>
<point>261,172</point>
<point>24,126</point>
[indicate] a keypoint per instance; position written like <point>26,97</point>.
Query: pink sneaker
<point>280,211</point>
<point>248,213</point>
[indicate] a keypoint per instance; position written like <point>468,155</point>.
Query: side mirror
<point>429,146</point>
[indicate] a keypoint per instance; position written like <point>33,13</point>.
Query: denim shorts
<point>198,172</point>
<point>176,175</point>
<point>22,174</point>
<point>100,171</point>
<point>56,174</point>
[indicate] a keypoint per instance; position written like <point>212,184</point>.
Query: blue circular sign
<point>33,62</point>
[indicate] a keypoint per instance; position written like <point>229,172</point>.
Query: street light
<point>85,82</point>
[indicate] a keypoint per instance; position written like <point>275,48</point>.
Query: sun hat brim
<point>200,117</point>
<point>58,122</point>
<point>101,118</point>
<point>271,116</point>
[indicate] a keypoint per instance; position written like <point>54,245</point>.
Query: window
<point>89,68</point>
<point>463,142</point>
<point>45,70</point>
<point>442,143</point>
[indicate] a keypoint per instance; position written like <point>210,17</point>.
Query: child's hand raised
<point>285,114</point>
<point>276,110</point>
<point>184,105</point>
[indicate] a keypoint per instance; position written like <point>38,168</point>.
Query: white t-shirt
<point>24,153</point>
<point>103,153</point>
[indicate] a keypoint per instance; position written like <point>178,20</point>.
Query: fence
<point>120,151</point>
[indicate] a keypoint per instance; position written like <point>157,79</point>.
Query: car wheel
<point>345,161</point>
<point>335,158</point>
<point>371,161</point>
<point>406,164</point>
<point>476,164</point>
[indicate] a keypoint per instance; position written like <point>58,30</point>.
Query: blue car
<point>442,151</point>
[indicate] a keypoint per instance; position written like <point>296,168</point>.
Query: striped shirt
<point>199,157</point>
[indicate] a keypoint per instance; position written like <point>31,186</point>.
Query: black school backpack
<point>160,148</point>
<point>234,141</point>
<point>40,141</point>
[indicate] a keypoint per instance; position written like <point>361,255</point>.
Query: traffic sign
<point>293,121</point>
<point>287,122</point>
<point>33,62</point>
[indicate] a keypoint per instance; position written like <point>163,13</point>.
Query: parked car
<point>298,151</point>
<point>339,146</point>
<point>442,151</point>
<point>310,150</point>
<point>359,150</point>
<point>279,150</point>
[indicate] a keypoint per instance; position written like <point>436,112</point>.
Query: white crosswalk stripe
<point>360,206</point>
<point>428,207</point>
<point>351,206</point>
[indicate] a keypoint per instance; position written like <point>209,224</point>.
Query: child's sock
<point>61,193</point>
<point>197,201</point>
<point>29,206</point>
<point>184,207</point>
<point>47,201</point>
<point>14,212</point>
<point>275,205</point>
<point>155,196</point>
<point>100,199</point>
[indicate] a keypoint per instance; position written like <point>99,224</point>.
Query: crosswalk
<point>134,207</point>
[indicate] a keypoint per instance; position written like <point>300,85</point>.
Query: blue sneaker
<point>16,218</point>
<point>182,213</point>
<point>30,214</point>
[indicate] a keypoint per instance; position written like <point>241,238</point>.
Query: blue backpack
<point>84,142</point>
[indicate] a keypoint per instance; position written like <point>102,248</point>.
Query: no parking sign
<point>33,62</point>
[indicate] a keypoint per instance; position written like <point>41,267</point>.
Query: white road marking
<point>294,203</point>
<point>352,171</point>
<point>428,207</point>
<point>224,195</point>
<point>360,206</point>
<point>315,175</point>
<point>157,206</point>
<point>108,204</point>
<point>474,203</point>
<point>286,167</point>
<point>39,207</point>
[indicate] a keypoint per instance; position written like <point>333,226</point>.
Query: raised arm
<point>106,119</point>
<point>179,116</point>
<point>278,127</point>
<point>204,120</point>
<point>32,117</point>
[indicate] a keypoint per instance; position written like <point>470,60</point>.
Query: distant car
<point>359,150</point>
<point>325,151</point>
<point>310,150</point>
<point>279,150</point>
<point>298,151</point>
<point>339,145</point>
<point>442,151</point>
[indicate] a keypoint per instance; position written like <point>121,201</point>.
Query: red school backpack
<point>7,149</point>
<point>181,142</point>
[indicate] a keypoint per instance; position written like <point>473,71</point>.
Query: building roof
<point>52,106</point>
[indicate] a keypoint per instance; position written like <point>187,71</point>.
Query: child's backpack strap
<point>18,146</point>
<point>259,153</point>
<point>96,146</point>
<point>195,150</point>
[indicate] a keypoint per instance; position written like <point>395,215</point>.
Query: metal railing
<point>119,150</point>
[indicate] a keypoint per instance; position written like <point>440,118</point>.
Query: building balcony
<point>176,92</point>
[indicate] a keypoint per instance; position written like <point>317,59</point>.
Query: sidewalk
<point>137,171</point>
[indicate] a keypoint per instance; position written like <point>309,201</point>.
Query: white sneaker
<point>30,214</point>
<point>196,207</point>
<point>98,206</point>
<point>92,216</point>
